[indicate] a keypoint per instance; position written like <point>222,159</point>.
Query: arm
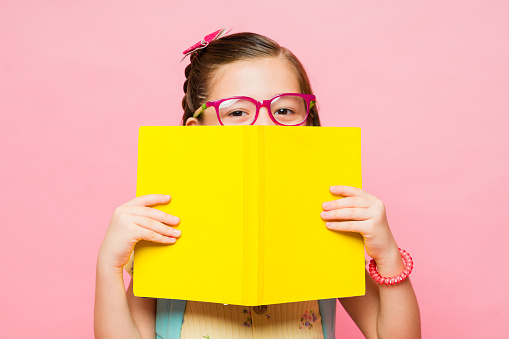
<point>385,311</point>
<point>143,311</point>
<point>117,313</point>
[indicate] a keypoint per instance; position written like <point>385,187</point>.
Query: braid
<point>185,102</point>
<point>189,104</point>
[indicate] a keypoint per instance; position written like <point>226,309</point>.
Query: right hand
<point>135,221</point>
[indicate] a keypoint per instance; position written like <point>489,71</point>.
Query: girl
<point>251,65</point>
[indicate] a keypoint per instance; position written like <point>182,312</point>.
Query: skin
<point>384,312</point>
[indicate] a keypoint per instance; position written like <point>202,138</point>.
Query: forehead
<point>259,78</point>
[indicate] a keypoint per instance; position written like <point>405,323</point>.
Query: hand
<point>361,212</point>
<point>135,221</point>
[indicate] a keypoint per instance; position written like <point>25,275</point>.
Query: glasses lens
<point>289,110</point>
<point>237,112</point>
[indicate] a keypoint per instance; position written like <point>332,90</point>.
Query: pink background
<point>425,81</point>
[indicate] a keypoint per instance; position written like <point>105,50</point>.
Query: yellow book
<point>249,199</point>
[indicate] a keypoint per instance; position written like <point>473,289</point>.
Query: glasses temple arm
<point>201,109</point>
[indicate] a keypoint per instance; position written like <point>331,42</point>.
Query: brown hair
<point>229,49</point>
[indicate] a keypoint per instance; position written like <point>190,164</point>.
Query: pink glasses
<point>288,109</point>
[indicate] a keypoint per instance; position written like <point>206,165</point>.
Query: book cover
<point>249,199</point>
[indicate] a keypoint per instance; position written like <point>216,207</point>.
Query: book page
<point>201,167</point>
<point>301,258</point>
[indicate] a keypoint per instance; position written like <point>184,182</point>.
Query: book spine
<point>261,214</point>
<point>251,216</point>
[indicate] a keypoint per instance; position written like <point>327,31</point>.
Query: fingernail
<point>177,232</point>
<point>325,205</point>
<point>323,214</point>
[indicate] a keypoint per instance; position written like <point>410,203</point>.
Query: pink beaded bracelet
<point>409,265</point>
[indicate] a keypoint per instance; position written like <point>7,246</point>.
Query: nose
<point>263,117</point>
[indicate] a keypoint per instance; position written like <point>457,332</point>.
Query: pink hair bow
<point>205,41</point>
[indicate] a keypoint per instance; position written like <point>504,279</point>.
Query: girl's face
<point>260,79</point>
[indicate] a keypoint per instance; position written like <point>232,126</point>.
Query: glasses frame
<point>309,98</point>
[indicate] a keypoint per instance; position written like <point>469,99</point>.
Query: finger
<point>149,200</point>
<point>346,214</point>
<point>348,202</point>
<point>347,226</point>
<point>146,234</point>
<point>155,214</point>
<point>349,191</point>
<point>156,226</point>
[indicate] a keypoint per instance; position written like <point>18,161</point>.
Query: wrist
<point>391,263</point>
<point>105,267</point>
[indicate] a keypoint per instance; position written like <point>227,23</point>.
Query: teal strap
<point>177,309</point>
<point>328,315</point>
<point>163,309</point>
<point>169,316</point>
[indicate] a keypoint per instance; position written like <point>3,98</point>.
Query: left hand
<point>361,212</point>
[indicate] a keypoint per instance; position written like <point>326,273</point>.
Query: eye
<point>236,113</point>
<point>284,111</point>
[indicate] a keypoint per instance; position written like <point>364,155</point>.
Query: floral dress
<point>214,321</point>
<point>221,321</point>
